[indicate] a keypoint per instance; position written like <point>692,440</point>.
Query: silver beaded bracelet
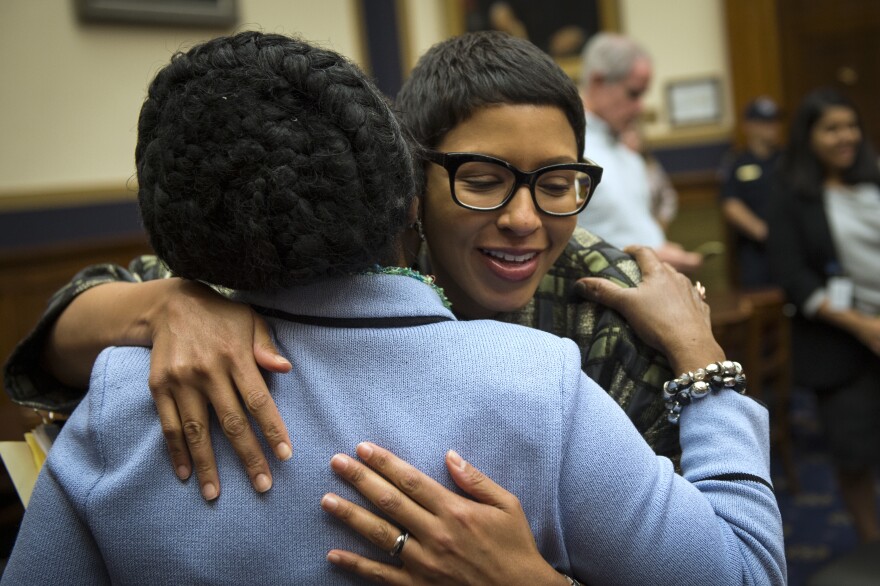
<point>697,384</point>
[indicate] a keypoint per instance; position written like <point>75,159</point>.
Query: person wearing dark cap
<point>746,186</point>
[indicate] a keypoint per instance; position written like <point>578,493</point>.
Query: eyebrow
<point>560,160</point>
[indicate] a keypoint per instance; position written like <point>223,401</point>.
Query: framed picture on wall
<point>559,27</point>
<point>694,101</point>
<point>199,13</point>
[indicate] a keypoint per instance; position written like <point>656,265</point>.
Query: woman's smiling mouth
<point>511,265</point>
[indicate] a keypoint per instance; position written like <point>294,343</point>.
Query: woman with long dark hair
<point>824,246</point>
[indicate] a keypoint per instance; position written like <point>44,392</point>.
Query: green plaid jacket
<point>631,372</point>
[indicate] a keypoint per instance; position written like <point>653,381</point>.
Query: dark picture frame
<point>559,27</point>
<point>190,13</point>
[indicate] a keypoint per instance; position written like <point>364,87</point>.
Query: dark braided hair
<point>264,162</point>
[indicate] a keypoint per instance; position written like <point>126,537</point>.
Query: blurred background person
<point>664,197</point>
<point>616,73</point>
<point>747,181</point>
<point>824,249</point>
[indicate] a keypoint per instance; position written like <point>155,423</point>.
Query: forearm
<point>693,353</point>
<point>848,320</point>
<point>744,220</point>
<point>112,314</point>
<point>725,500</point>
<point>865,328</point>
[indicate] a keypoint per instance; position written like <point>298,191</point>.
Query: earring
<point>417,226</point>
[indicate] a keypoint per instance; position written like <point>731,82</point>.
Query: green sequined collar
<point>413,274</point>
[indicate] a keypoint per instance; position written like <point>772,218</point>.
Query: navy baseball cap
<point>762,109</point>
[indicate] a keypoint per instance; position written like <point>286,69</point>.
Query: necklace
<point>407,272</point>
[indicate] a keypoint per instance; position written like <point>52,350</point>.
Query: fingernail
<point>329,502</point>
<point>209,491</point>
<point>262,483</point>
<point>283,452</point>
<point>333,558</point>
<point>183,472</point>
<point>580,289</point>
<point>281,360</point>
<point>456,460</point>
<point>364,450</point>
<point>339,462</point>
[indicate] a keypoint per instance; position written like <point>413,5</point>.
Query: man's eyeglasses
<point>483,183</point>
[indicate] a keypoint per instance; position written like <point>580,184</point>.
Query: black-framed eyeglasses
<point>483,183</point>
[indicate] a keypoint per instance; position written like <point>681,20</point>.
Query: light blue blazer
<point>108,508</point>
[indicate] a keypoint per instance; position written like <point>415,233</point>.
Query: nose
<point>520,215</point>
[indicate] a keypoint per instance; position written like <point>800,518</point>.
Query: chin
<point>511,302</point>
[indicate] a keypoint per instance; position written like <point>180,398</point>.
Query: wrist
<point>156,301</point>
<point>543,574</point>
<point>689,386</point>
<point>694,356</point>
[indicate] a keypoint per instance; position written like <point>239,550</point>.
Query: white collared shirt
<point>620,210</point>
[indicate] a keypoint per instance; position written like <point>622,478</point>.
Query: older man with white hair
<point>615,76</point>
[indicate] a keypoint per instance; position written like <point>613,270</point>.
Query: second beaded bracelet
<point>683,390</point>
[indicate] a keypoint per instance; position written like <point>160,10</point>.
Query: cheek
<point>822,148</point>
<point>560,231</point>
<point>448,226</point>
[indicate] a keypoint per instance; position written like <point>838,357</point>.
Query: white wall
<point>427,22</point>
<point>70,93</point>
<point>686,39</point>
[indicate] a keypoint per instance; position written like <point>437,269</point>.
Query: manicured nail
<point>183,472</point>
<point>339,462</point>
<point>329,502</point>
<point>283,452</point>
<point>364,450</point>
<point>262,483</point>
<point>456,460</point>
<point>209,491</point>
<point>333,558</point>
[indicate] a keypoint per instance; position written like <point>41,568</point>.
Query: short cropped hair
<point>610,56</point>
<point>801,169</point>
<point>456,77</point>
<point>264,162</point>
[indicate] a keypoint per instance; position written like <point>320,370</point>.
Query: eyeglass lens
<point>485,185</point>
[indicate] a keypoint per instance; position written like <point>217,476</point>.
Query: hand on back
<point>209,350</point>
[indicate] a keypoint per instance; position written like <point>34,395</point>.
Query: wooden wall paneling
<point>785,48</point>
<point>833,43</point>
<point>27,281</point>
<point>755,53</point>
